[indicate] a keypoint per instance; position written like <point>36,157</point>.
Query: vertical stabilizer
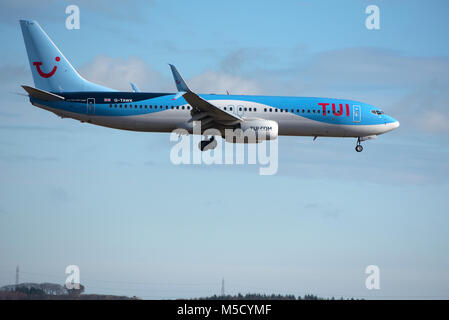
<point>50,68</point>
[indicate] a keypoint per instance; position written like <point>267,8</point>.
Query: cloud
<point>23,158</point>
<point>149,163</point>
<point>12,11</point>
<point>54,10</point>
<point>425,109</point>
<point>434,121</point>
<point>218,82</point>
<point>122,163</point>
<point>13,74</point>
<point>402,85</point>
<point>33,128</point>
<point>396,82</point>
<point>326,210</point>
<point>374,68</point>
<point>8,115</point>
<point>59,194</point>
<point>239,60</point>
<point>230,74</point>
<point>118,72</point>
<point>383,162</point>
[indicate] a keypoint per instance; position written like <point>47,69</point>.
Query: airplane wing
<point>199,103</point>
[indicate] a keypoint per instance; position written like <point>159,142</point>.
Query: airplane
<point>59,88</point>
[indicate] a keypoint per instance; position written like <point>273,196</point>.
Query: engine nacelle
<point>253,131</point>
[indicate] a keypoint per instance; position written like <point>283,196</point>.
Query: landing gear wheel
<point>359,148</point>
<point>205,145</point>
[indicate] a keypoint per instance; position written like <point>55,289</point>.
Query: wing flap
<point>218,114</point>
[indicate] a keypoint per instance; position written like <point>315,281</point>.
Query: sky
<point>112,202</point>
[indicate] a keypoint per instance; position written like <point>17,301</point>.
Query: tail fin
<point>51,70</point>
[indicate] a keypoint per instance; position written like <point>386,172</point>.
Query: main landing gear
<point>358,147</point>
<point>210,144</point>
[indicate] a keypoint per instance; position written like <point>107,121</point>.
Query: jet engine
<point>253,131</point>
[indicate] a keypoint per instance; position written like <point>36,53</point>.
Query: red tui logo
<point>43,74</point>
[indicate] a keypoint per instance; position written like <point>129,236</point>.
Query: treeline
<point>47,292</point>
<point>258,296</point>
<point>15,295</point>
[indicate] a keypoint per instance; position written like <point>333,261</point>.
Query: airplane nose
<point>394,124</point>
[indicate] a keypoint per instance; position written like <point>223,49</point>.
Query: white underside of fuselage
<point>170,120</point>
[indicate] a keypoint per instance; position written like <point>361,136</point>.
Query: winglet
<point>134,87</point>
<point>180,83</point>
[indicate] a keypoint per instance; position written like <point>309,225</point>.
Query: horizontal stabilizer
<point>42,95</point>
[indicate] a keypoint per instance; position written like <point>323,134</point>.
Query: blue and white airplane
<point>59,88</point>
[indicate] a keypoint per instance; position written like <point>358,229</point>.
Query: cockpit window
<point>377,112</point>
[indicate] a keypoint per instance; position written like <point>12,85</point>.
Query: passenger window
<point>255,110</point>
<point>265,110</point>
<point>183,107</point>
<point>271,110</point>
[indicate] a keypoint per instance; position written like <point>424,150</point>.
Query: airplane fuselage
<point>162,112</point>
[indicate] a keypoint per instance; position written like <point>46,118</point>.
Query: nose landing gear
<point>358,147</point>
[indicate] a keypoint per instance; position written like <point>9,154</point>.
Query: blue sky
<point>111,201</point>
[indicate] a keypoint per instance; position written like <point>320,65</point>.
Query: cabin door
<point>357,113</point>
<point>90,105</point>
